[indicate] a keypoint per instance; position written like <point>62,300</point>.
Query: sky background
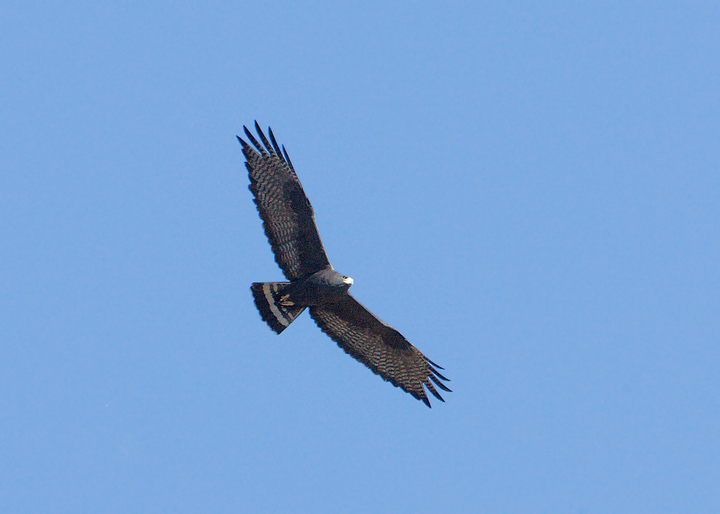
<point>528,191</point>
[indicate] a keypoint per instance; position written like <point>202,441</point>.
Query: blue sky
<point>528,191</point>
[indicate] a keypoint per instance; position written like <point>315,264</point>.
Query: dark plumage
<point>289,223</point>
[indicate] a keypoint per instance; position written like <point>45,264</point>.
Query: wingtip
<point>259,130</point>
<point>436,365</point>
<point>287,158</point>
<point>274,143</point>
<point>440,375</point>
<point>247,132</point>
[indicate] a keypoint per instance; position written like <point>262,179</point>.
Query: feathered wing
<point>380,347</point>
<point>288,218</point>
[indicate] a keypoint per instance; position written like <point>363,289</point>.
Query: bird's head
<point>347,280</point>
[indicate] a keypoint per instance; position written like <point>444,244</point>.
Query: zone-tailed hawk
<point>289,223</point>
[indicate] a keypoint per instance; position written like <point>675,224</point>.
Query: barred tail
<point>267,300</point>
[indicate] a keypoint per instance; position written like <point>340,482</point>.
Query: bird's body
<point>321,288</point>
<point>289,223</point>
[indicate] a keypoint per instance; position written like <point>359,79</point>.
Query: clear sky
<point>528,191</point>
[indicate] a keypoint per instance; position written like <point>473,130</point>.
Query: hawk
<point>289,223</point>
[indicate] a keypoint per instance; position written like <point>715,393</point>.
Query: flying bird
<point>289,223</point>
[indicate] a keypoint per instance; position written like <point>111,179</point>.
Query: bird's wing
<point>380,347</point>
<point>288,217</point>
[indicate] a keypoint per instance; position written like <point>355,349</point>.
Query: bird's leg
<point>285,302</point>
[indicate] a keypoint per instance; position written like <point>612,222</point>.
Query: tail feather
<point>267,300</point>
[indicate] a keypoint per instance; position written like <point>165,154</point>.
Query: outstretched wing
<point>288,217</point>
<point>380,347</point>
